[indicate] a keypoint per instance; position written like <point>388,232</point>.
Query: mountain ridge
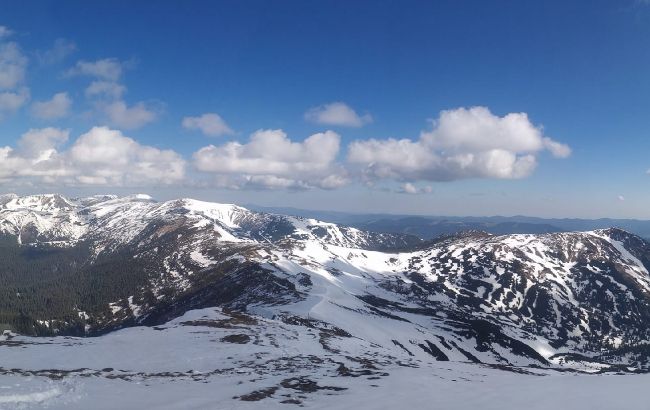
<point>567,300</point>
<point>431,226</point>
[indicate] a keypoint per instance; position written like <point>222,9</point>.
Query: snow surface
<point>178,366</point>
<point>196,361</point>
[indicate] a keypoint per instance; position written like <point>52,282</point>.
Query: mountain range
<point>429,227</point>
<point>90,266</point>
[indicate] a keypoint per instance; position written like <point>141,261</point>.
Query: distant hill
<point>428,227</point>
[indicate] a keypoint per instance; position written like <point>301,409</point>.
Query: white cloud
<point>11,101</point>
<point>271,160</point>
<point>61,49</point>
<point>100,88</point>
<point>621,198</point>
<point>464,143</point>
<point>13,64</point>
<point>558,149</point>
<point>99,157</point>
<point>210,124</point>
<point>37,143</point>
<point>123,116</point>
<point>337,114</point>
<point>57,107</point>
<point>35,158</point>
<point>5,32</point>
<point>409,188</point>
<point>106,93</point>
<point>107,157</point>
<point>109,69</point>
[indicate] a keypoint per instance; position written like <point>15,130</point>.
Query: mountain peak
<point>470,296</point>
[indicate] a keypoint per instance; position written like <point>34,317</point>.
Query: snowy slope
<point>569,300</point>
<point>214,359</point>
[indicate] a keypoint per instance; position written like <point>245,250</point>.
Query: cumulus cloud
<point>101,156</point>
<point>109,69</point>
<point>128,117</point>
<point>337,114</point>
<point>42,142</point>
<point>13,64</point>
<point>36,156</point>
<point>57,107</point>
<point>106,156</point>
<point>109,89</point>
<point>5,32</point>
<point>558,150</point>
<point>271,160</point>
<point>106,72</point>
<point>61,49</point>
<point>409,188</point>
<point>106,91</point>
<point>463,143</point>
<point>210,124</point>
<point>11,101</point>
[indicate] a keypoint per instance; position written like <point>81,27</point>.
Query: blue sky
<point>389,89</point>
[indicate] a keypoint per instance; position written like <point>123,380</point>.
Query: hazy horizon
<point>289,206</point>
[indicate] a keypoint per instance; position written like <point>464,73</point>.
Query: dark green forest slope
<point>54,283</point>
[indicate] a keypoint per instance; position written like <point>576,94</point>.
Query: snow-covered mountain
<point>572,300</point>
